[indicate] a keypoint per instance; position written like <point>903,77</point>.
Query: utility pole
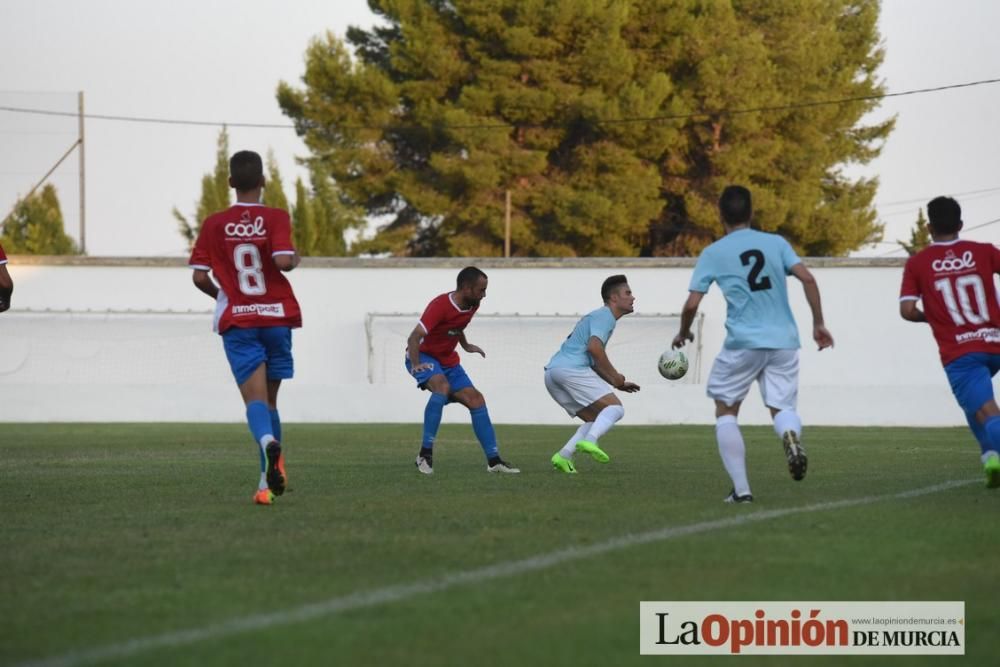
<point>506,226</point>
<point>83,179</point>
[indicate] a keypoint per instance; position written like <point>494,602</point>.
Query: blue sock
<point>259,419</point>
<point>483,427</point>
<point>275,425</point>
<point>992,428</point>
<point>432,418</point>
<point>978,430</point>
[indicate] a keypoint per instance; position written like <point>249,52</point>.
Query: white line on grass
<point>389,594</point>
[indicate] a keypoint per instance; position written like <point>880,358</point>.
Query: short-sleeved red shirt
<point>444,322</point>
<point>238,245</point>
<point>954,280</point>
<point>3,256</point>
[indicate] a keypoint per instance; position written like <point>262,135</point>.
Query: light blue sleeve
<point>703,276</point>
<point>788,256</point>
<point>601,325</point>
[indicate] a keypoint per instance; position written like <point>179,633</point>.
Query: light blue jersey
<point>573,353</point>
<point>750,267</point>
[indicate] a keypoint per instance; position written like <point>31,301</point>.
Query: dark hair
<point>735,205</point>
<point>468,277</point>
<point>944,215</point>
<point>246,171</point>
<point>610,285</point>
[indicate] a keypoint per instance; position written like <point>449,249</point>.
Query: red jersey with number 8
<point>954,280</point>
<point>238,246</point>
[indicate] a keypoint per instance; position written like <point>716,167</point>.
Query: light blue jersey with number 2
<point>750,267</point>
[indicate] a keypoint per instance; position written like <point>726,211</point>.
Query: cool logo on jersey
<point>246,229</point>
<point>951,263</point>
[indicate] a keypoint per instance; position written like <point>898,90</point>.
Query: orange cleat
<point>263,497</point>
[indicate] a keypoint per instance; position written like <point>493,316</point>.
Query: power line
<point>924,200</point>
<point>610,121</point>
<point>964,230</point>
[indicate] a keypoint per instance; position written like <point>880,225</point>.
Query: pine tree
<point>274,189</point>
<point>214,192</point>
<point>450,104</point>
<point>303,222</point>
<point>35,227</point>
<point>920,235</point>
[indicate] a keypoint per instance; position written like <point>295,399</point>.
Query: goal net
<point>518,346</point>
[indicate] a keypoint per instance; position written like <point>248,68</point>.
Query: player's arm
<point>822,337</point>
<point>688,312</point>
<point>6,288</point>
<point>413,349</point>
<point>286,261</point>
<point>909,311</point>
<point>469,347</point>
<point>604,368</point>
<point>205,283</point>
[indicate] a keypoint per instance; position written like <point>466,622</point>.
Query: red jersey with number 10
<point>955,282</point>
<point>444,323</point>
<point>238,245</point>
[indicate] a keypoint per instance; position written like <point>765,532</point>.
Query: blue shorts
<point>971,379</point>
<point>455,375</point>
<point>247,349</point>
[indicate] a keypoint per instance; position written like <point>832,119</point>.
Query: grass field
<point>138,544</point>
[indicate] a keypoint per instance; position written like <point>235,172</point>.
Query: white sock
<point>987,455</point>
<point>733,452</point>
<point>262,484</point>
<point>570,447</point>
<point>266,440</point>
<point>605,420</point>
<point>787,420</point>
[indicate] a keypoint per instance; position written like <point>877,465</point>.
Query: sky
<point>221,61</point>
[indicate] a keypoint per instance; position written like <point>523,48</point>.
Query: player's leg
<point>779,387</point>
<point>434,381</point>
<point>247,357</point>
<point>971,379</point>
<point>729,381</point>
<point>463,392</point>
<point>277,343</point>
<point>564,386</point>
<point>602,415</point>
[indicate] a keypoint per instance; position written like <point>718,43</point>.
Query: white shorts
<point>776,371</point>
<point>575,388</point>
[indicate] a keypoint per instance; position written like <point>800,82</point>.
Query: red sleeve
<point>281,233</point>
<point>994,255</point>
<point>911,286</point>
<point>3,255</point>
<point>433,314</point>
<point>201,258</point>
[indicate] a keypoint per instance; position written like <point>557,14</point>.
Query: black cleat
<point>733,498</point>
<point>796,455</point>
<point>275,474</point>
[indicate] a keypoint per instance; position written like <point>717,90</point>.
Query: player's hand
<point>425,366</point>
<point>630,387</point>
<point>681,339</point>
<point>475,349</point>
<point>822,337</point>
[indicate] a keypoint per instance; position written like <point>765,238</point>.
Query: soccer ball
<point>673,364</point>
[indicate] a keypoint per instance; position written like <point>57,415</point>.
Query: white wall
<point>883,371</point>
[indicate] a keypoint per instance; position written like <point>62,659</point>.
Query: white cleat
<point>424,466</point>
<point>502,466</point>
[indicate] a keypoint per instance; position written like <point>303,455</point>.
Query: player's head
<point>944,216</point>
<point>471,286</point>
<point>735,205</point>
<point>617,294</point>
<point>246,171</point>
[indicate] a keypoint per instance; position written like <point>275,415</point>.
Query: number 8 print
<point>251,277</point>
